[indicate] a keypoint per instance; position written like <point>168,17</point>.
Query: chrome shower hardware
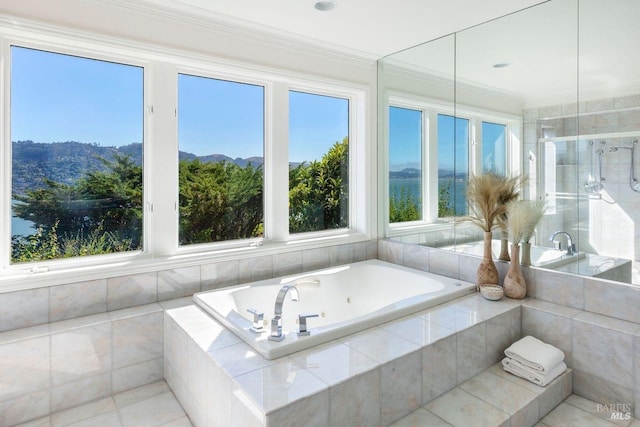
<point>595,184</point>
<point>634,183</point>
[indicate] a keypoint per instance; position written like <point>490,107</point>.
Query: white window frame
<point>161,69</point>
<point>431,108</point>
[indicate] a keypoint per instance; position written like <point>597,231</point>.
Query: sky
<point>58,97</point>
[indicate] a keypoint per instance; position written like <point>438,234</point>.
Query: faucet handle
<point>258,320</point>
<point>302,320</point>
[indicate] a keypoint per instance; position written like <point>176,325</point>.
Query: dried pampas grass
<point>523,216</point>
<point>488,196</point>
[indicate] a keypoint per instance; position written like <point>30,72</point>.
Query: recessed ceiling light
<point>325,5</point>
<point>501,65</point>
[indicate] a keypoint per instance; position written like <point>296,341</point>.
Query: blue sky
<point>63,98</point>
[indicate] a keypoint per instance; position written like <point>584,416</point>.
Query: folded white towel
<point>536,377</point>
<point>535,354</point>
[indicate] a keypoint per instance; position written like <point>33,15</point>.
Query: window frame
<point>431,109</point>
<point>161,67</point>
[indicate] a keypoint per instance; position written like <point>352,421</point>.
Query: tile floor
<point>154,405</point>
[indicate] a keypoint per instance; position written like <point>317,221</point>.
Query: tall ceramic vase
<point>487,272</point>
<point>504,249</point>
<point>526,253</point>
<point>514,284</point>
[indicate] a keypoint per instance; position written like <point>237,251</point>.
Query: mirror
<point>551,92</point>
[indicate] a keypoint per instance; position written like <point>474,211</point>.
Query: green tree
<point>445,202</point>
<point>319,192</point>
<point>219,201</point>
<point>403,207</point>
<point>102,210</point>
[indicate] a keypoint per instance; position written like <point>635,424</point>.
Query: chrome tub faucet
<point>276,322</point>
<point>571,247</point>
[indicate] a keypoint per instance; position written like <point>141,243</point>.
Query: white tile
<point>77,299</point>
<point>341,254</point>
<point>418,330</point>
<point>219,394</point>
<point>238,359</point>
<point>356,401</point>
<point>76,393</point>
<point>137,375</point>
<point>254,269</point>
<point>178,282</point>
<point>287,263</point>
<point>334,362</point>
<point>439,368</point>
<point>24,367</point>
<point>471,356</point>
<point>24,308</point>
<point>380,345</point>
<point>152,412</point>
<point>180,422</point>
<point>463,409</point>
<point>24,408</point>
<point>134,290</point>
<point>82,412</point>
<point>130,397</point>
<point>279,384</point>
<point>40,422</point>
<point>80,353</point>
<point>315,259</point>
<point>400,387</point>
<point>421,418</point>
<point>138,339</point>
<point>109,419</point>
<point>218,275</point>
<point>571,416</point>
<point>310,411</point>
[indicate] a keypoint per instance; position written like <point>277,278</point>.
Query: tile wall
<point>595,322</point>
<point>65,345</point>
<point>590,218</point>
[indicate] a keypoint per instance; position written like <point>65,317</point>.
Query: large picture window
<point>318,162</point>
<point>405,164</point>
<point>76,156</point>
<point>453,165</point>
<point>221,146</point>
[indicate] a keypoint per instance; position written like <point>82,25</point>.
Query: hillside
<point>68,161</point>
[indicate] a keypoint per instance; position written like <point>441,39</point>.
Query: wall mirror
<point>551,92</point>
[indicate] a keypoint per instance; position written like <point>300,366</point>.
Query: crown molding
<point>253,32</point>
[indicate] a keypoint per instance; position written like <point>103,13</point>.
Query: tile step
<point>492,398</point>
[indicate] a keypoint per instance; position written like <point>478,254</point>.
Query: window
<point>432,151</point>
<point>494,157</point>
<point>453,165</point>
<point>118,160</point>
<point>76,162</point>
<point>221,146</point>
<point>318,162</point>
<point>405,164</point>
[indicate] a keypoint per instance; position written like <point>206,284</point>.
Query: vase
<point>526,254</point>
<point>514,284</point>
<point>504,249</point>
<point>487,272</point>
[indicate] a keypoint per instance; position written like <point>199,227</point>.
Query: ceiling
<point>368,27</point>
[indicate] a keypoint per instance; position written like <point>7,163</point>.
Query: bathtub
<point>540,256</point>
<point>347,299</point>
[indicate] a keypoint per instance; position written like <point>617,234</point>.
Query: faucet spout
<point>571,247</point>
<point>276,322</point>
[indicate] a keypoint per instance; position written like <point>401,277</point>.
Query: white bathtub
<point>540,256</point>
<point>347,299</point>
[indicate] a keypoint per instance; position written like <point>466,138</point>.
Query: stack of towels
<point>534,360</point>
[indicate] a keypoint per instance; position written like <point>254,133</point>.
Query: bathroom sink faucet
<point>276,322</point>
<point>571,247</point>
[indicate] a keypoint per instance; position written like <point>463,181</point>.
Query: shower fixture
<point>634,183</point>
<point>595,184</point>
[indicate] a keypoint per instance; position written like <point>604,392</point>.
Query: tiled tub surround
<point>595,322</point>
<point>371,378</point>
<point>21,309</point>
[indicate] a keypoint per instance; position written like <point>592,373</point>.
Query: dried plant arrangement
<point>523,216</point>
<point>488,196</point>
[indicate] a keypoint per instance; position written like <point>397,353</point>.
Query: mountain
<point>68,161</point>
<point>414,173</point>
